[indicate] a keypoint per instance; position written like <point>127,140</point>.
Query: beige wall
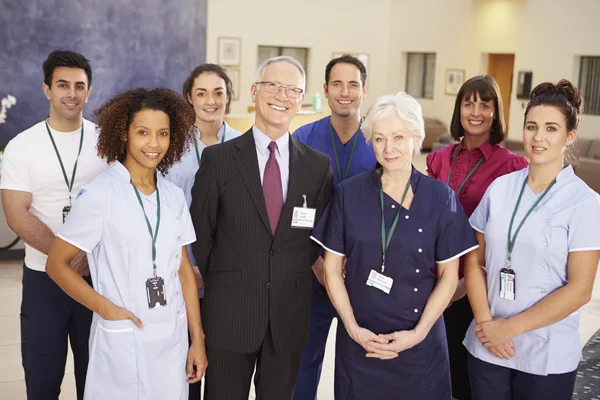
<point>324,26</point>
<point>546,37</point>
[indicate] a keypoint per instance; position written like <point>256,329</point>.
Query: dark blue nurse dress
<point>435,229</point>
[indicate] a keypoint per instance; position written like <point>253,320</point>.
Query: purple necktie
<point>272,188</point>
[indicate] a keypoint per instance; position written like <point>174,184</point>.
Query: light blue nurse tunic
<point>566,220</point>
<point>107,222</point>
<point>183,174</point>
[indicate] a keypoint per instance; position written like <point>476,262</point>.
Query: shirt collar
<point>262,142</point>
<point>486,149</point>
<point>119,169</point>
<point>222,132</point>
<point>415,176</point>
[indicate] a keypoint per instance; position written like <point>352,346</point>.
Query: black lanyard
<point>468,175</point>
<point>69,184</point>
<point>511,241</point>
<point>335,154</point>
<point>196,140</point>
<point>155,235</point>
<point>385,242</point>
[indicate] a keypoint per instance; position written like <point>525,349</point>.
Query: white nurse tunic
<point>107,222</point>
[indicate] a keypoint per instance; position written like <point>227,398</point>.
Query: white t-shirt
<point>30,164</point>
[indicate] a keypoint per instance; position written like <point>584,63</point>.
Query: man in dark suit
<point>254,203</point>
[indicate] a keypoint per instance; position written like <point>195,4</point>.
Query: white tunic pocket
<point>113,361</point>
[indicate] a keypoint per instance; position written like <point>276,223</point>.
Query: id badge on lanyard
<point>507,274</point>
<point>155,286</point>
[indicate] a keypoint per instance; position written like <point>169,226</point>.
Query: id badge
<point>507,284</point>
<point>304,218</point>
<point>155,292</point>
<point>65,213</point>
<point>380,281</point>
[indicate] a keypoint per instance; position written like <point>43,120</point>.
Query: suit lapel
<point>247,163</point>
<point>297,176</point>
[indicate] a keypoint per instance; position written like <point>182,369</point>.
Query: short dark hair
<point>566,98</point>
<point>188,84</point>
<point>485,88</point>
<point>114,117</point>
<point>70,59</point>
<point>347,59</point>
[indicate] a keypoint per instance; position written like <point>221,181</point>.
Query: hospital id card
<point>304,218</point>
<point>507,284</point>
<point>155,292</point>
<point>380,281</point>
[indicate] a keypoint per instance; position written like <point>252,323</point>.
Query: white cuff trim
<point>327,248</point>
<point>458,255</point>
<point>477,229</point>
<point>584,249</point>
<point>73,243</point>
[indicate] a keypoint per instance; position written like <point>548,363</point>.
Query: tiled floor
<point>12,386</point>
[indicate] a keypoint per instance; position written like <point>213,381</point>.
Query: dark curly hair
<point>114,117</point>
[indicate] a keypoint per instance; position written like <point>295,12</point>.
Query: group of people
<point>167,246</point>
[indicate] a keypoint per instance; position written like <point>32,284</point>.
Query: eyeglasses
<point>274,87</point>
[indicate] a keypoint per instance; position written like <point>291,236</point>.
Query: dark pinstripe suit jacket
<point>252,277</point>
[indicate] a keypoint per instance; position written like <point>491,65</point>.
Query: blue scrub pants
<point>493,382</point>
<point>48,318</point>
<point>321,315</point>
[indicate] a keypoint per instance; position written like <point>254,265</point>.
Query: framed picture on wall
<point>454,80</point>
<point>234,75</point>
<point>229,51</point>
<point>363,57</point>
<point>524,85</point>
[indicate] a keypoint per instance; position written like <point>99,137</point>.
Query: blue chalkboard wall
<point>130,43</point>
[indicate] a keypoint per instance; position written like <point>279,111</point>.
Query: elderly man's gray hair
<point>260,73</point>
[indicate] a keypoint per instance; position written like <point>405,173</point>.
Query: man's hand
<point>198,276</point>
<point>319,271</point>
<point>80,264</point>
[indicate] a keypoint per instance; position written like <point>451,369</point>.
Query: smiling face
<point>276,110</point>
<point>209,97</point>
<point>68,93</point>
<point>393,143</point>
<point>148,138</point>
<point>476,116</point>
<point>545,135</point>
<point>345,90</point>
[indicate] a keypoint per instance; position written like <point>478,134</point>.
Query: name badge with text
<point>304,218</point>
<point>380,281</point>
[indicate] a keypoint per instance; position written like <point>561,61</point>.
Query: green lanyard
<point>196,140</point>
<point>69,184</point>
<point>385,242</point>
<point>511,241</point>
<point>468,175</point>
<point>335,153</point>
<point>155,235</point>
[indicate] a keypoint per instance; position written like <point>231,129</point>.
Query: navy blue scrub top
<point>435,229</point>
<point>317,135</point>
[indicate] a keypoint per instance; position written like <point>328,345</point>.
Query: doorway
<point>501,67</point>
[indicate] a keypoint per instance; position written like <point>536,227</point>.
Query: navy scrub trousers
<point>493,382</point>
<point>48,318</point>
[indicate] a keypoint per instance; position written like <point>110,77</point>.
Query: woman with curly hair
<point>135,225</point>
